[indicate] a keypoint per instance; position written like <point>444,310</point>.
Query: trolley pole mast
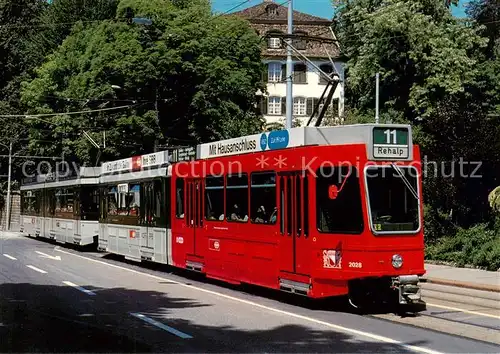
<point>376,97</point>
<point>9,186</point>
<point>289,80</point>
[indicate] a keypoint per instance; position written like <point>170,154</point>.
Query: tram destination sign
<point>391,143</point>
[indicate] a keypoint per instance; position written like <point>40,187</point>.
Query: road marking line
<point>161,325</point>
<point>37,269</point>
<point>10,257</point>
<point>271,309</point>
<point>56,258</point>
<point>83,290</point>
<point>464,311</point>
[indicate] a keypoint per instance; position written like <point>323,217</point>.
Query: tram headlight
<point>397,261</point>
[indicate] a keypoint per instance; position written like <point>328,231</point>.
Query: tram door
<point>194,216</point>
<point>294,229</point>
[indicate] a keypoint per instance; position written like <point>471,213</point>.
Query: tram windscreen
<point>393,198</point>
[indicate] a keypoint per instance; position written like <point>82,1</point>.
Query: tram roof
<point>383,141</point>
<point>81,176</point>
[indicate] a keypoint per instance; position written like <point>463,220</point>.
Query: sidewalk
<point>462,277</point>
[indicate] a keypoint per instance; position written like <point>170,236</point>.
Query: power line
<point>62,113</point>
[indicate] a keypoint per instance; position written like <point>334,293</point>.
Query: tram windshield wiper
<point>405,181</point>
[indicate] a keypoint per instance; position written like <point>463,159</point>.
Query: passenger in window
<point>261,215</point>
<point>236,215</point>
<point>274,215</point>
<point>211,216</point>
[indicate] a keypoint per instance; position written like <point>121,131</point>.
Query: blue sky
<point>322,8</point>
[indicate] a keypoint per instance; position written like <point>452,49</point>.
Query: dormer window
<point>274,39</point>
<point>272,10</point>
<point>274,43</point>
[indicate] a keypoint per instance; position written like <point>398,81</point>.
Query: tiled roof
<point>260,14</point>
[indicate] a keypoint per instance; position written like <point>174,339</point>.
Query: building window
<point>274,106</point>
<point>272,10</point>
<point>299,106</point>
<point>274,43</point>
<point>328,69</point>
<point>300,74</point>
<point>274,72</point>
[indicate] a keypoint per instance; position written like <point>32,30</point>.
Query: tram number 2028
<point>355,265</point>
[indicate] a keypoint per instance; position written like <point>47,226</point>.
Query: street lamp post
<point>9,177</point>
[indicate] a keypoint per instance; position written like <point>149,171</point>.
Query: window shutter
<point>303,76</point>
<point>283,106</point>
<point>265,74</point>
<point>283,72</point>
<point>264,103</point>
<point>310,106</point>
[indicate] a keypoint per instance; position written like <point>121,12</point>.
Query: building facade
<point>268,18</point>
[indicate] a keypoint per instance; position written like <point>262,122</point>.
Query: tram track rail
<point>462,312</point>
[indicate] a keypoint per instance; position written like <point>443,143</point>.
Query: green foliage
<point>200,71</point>
<point>441,75</point>
<point>420,50</point>
<point>18,21</point>
<point>494,199</point>
<point>58,20</point>
<point>478,246</point>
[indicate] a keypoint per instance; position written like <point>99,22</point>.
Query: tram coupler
<point>409,295</point>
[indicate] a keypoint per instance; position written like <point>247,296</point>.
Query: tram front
<point>395,242</point>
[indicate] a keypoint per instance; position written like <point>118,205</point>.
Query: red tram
<point>316,211</point>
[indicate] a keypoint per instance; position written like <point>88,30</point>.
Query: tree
<point>494,199</point>
<point>201,71</point>
<point>18,22</point>
<point>486,16</point>
<point>60,17</point>
<point>421,52</point>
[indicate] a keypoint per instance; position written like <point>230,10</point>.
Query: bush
<point>478,246</point>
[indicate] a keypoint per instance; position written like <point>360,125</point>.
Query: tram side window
<point>50,202</point>
<point>30,204</point>
<point>124,200</point>
<point>64,200</point>
<point>89,203</point>
<point>160,203</point>
<point>237,198</point>
<point>214,198</point>
<point>341,211</point>
<point>103,202</point>
<point>263,208</point>
<point>38,202</point>
<point>179,198</point>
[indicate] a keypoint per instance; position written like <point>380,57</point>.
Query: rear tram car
<point>63,208</point>
<point>316,211</point>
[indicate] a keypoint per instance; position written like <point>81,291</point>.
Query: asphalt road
<point>55,299</point>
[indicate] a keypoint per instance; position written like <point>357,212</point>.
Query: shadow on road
<point>48,318</point>
<point>334,304</point>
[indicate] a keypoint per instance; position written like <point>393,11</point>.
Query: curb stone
<point>483,287</point>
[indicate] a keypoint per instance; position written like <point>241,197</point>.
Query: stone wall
<point>15,211</point>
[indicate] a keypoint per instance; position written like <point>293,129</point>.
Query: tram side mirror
<point>333,192</point>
